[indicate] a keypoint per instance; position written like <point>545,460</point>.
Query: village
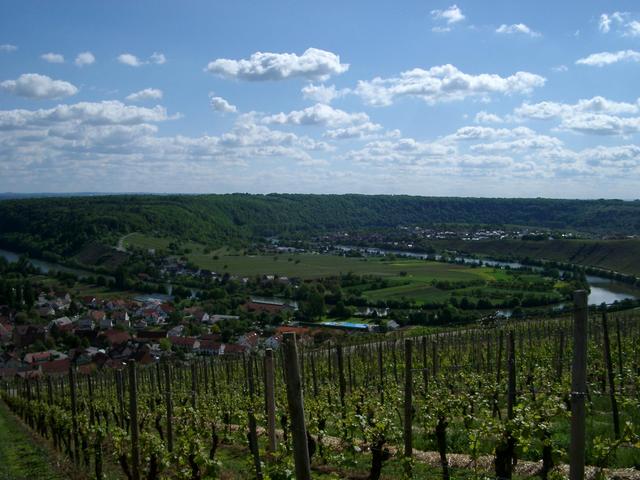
<point>93,333</point>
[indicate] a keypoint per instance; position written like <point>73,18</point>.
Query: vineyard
<point>471,403</point>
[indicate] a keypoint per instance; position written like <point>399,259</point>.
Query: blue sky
<point>500,98</point>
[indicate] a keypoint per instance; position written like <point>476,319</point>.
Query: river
<point>46,267</point>
<point>602,289</point>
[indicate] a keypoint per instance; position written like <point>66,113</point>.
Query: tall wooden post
<point>74,413</point>
<point>296,408</point>
<point>253,428</point>
<point>578,386</point>
<point>612,387</point>
<point>270,401</point>
<point>169,405</point>
<point>133,415</point>
<point>408,405</point>
<point>341,380</point>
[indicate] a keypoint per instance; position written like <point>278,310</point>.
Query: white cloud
<point>604,25</point>
<point>7,47</point>
<point>596,116</point>
<point>633,29</point>
<point>444,83</point>
<point>361,131</point>
<point>476,133</point>
<point>144,95</point>
<point>545,110</point>
<point>485,117</point>
<point>601,124</point>
<point>621,22</point>
<point>33,85</point>
<point>133,61</point>
<point>158,58</point>
<point>318,114</point>
<point>129,59</point>
<point>517,28</point>
<point>451,15</point>
<point>607,58</point>
<point>85,58</point>
<point>323,93</point>
<point>94,143</point>
<point>219,104</point>
<point>313,64</point>
<point>560,68</point>
<point>52,57</point>
<point>111,112</point>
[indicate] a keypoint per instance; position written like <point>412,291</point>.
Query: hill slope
<point>62,226</point>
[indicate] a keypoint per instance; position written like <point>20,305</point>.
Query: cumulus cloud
<point>596,116</point>
<point>78,138</point>
<point>598,104</point>
<point>158,58</point>
<point>8,48</point>
<point>129,59</point>
<point>133,61</point>
<point>517,29</point>
<point>144,95</point>
<point>607,58</point>
<point>108,112</point>
<point>361,131</point>
<point>451,15</point>
<point>443,84</point>
<point>219,104</point>
<point>476,133</point>
<point>323,93</point>
<point>313,64</point>
<point>52,57</point>
<point>621,22</point>
<point>318,114</point>
<point>485,117</point>
<point>34,85</point>
<point>85,58</point>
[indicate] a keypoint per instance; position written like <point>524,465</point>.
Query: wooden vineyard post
<point>253,428</point>
<point>578,386</point>
<point>133,415</point>
<point>296,408</point>
<point>341,379</point>
<point>314,374</point>
<point>620,364</point>
<point>612,387</point>
<point>120,395</point>
<point>169,405</point>
<point>270,401</point>
<point>408,406</point>
<point>381,372</point>
<point>511,397</point>
<point>561,355</point>
<point>194,386</point>
<point>425,373</point>
<point>74,414</point>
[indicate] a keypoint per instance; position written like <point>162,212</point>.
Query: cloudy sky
<point>472,98</point>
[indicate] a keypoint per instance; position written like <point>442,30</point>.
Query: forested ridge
<point>63,225</point>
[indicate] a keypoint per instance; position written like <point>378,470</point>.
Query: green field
<point>307,266</point>
<point>146,242</point>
